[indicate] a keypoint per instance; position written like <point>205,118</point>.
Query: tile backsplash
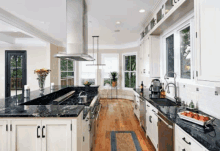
<point>203,96</point>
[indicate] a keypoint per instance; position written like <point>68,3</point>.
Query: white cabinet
<point>41,134</point>
<point>3,136</point>
<point>150,57</point>
<point>24,135</point>
<point>56,135</point>
<point>137,105</point>
<point>185,141</point>
<point>207,13</point>
<point>86,134</point>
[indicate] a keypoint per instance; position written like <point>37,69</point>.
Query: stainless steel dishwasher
<point>143,113</point>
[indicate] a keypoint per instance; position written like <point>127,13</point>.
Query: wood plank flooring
<point>118,115</point>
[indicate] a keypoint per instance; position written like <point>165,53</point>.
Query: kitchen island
<point>37,123</point>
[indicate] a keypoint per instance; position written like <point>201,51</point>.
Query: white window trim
<point>123,69</point>
<point>188,21</point>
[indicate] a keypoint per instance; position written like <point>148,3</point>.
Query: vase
<point>114,83</point>
<point>41,82</point>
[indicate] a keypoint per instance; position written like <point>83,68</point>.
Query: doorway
<point>15,72</point>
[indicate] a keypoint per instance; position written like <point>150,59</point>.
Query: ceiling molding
<point>6,38</point>
<point>17,22</point>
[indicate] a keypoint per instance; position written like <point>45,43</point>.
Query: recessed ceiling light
<point>142,10</point>
<point>118,22</point>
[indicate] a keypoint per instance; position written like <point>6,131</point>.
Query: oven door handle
<point>170,126</point>
<point>98,112</point>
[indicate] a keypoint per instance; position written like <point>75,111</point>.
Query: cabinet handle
<point>43,136</point>
<point>148,106</point>
<point>150,117</point>
<point>184,139</point>
<point>170,126</point>
<point>90,127</point>
<point>7,127</point>
<point>153,111</point>
<point>183,150</point>
<point>38,136</point>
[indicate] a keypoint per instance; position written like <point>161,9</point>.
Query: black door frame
<point>24,70</point>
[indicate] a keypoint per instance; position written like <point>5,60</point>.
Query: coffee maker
<point>155,88</point>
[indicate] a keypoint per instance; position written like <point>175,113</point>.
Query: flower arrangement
<point>42,74</point>
<point>87,83</point>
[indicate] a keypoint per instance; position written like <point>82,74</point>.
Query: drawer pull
<point>153,111</point>
<point>184,139</point>
<point>148,106</point>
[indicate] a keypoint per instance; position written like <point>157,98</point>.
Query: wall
<point>36,58</point>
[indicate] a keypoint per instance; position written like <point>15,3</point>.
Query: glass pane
<point>13,75</point>
<point>133,80</point>
<point>185,53</point>
<point>63,64</point>
<point>70,65</point>
<point>63,82</point>
<point>127,79</point>
<point>133,63</point>
<point>170,55</point>
<point>63,75</point>
<point>107,81</point>
<point>127,63</point>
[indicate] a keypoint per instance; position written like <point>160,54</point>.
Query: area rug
<point>124,141</point>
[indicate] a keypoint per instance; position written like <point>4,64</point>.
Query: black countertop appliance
<point>155,88</point>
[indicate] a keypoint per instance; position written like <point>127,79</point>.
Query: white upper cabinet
<point>207,14</point>
<point>150,54</point>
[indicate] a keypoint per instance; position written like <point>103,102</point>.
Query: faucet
<point>175,87</point>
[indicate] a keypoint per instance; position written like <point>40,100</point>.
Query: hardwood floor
<point>118,115</point>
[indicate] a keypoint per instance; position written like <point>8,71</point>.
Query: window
<point>129,71</point>
<point>67,72</point>
<point>111,62</point>
<point>170,55</point>
<point>87,73</point>
<point>185,53</point>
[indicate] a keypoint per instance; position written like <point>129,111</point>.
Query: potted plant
<point>87,84</point>
<point>114,78</point>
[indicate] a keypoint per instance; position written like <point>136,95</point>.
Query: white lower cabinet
<point>56,135</point>
<point>3,136</point>
<point>24,135</point>
<point>86,134</point>
<point>39,134</point>
<point>184,142</point>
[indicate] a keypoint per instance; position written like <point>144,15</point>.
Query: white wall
<point>37,57</point>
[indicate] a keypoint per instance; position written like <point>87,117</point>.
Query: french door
<point>15,72</point>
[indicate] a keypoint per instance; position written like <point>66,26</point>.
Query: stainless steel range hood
<point>77,31</point>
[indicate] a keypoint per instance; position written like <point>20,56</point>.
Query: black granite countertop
<point>209,138</point>
<point>42,105</point>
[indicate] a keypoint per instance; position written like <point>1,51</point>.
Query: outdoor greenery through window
<point>130,71</point>
<point>185,53</point>
<point>67,72</point>
<point>170,55</point>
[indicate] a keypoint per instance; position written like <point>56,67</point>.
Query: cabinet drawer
<point>186,140</point>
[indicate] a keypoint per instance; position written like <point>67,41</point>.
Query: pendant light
<point>97,64</point>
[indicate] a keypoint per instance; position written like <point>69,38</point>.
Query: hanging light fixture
<point>97,64</point>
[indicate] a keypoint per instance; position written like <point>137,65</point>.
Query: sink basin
<point>164,102</point>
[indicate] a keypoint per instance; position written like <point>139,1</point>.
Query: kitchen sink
<point>164,102</point>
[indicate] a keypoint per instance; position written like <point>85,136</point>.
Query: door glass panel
<point>170,55</point>
<point>19,75</point>
<point>13,75</point>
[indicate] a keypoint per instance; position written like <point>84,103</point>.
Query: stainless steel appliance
<point>155,88</point>
<point>143,113</point>
<point>82,98</point>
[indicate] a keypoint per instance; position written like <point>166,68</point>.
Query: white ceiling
<point>49,16</point>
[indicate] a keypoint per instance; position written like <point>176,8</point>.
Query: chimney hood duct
<point>77,32</point>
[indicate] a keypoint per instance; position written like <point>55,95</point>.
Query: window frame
<point>102,72</point>
<point>74,71</point>
<point>123,69</point>
<point>189,22</point>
